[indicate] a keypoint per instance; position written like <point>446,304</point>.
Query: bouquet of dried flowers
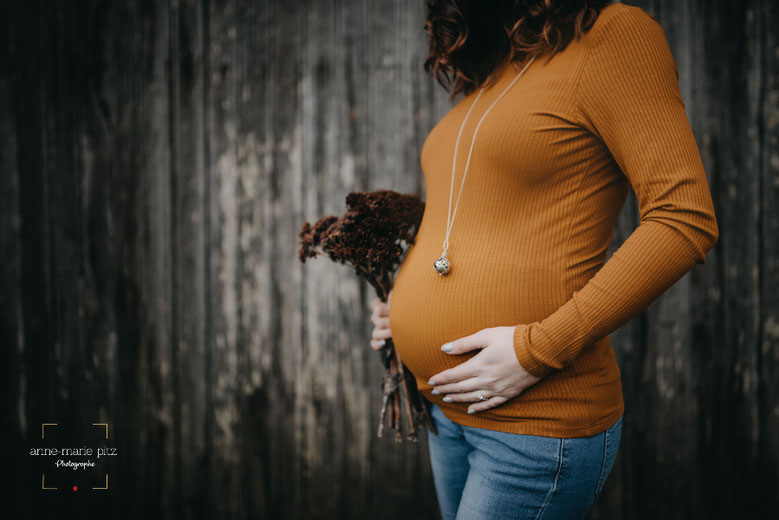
<point>373,237</point>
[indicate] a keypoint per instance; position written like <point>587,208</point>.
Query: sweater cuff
<point>525,356</point>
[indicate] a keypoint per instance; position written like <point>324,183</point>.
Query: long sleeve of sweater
<point>628,95</point>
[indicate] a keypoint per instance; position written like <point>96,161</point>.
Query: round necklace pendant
<point>442,266</point>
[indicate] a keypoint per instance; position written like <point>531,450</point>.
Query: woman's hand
<point>380,319</point>
<point>495,370</point>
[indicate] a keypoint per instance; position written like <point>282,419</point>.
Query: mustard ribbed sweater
<point>550,171</point>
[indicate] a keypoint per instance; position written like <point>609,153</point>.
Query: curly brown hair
<point>470,39</point>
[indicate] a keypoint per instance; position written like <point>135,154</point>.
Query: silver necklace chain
<point>450,220</point>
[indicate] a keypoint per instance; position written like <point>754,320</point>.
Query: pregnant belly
<point>494,282</point>
<point>493,285</point>
<point>419,320</point>
<point>484,289</point>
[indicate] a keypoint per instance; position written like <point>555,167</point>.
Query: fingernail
<point>470,410</point>
<point>436,391</point>
<point>382,343</point>
<point>431,382</point>
<point>446,347</point>
<point>447,399</point>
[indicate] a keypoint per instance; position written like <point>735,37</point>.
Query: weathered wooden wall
<point>158,159</point>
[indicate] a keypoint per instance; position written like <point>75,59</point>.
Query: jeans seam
<point>556,478</point>
<point>603,464</point>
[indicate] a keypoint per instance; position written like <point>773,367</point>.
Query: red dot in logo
<point>75,488</point>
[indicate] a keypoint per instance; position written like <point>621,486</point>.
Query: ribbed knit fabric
<point>551,168</point>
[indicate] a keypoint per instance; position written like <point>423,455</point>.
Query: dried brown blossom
<point>372,236</point>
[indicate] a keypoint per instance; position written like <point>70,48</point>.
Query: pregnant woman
<point>503,306</point>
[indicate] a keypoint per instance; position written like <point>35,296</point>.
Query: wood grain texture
<point>158,159</point>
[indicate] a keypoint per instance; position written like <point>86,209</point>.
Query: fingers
<point>467,397</point>
<point>381,322</point>
<point>377,344</point>
<point>468,392</point>
<point>381,333</point>
<point>471,384</point>
<point>379,307</point>
<point>456,374</point>
<point>465,344</point>
<point>486,405</point>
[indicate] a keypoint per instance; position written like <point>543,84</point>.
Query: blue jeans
<point>486,474</point>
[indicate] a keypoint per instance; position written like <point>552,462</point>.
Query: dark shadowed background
<point>158,158</point>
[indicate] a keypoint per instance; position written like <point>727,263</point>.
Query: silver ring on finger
<point>481,396</point>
